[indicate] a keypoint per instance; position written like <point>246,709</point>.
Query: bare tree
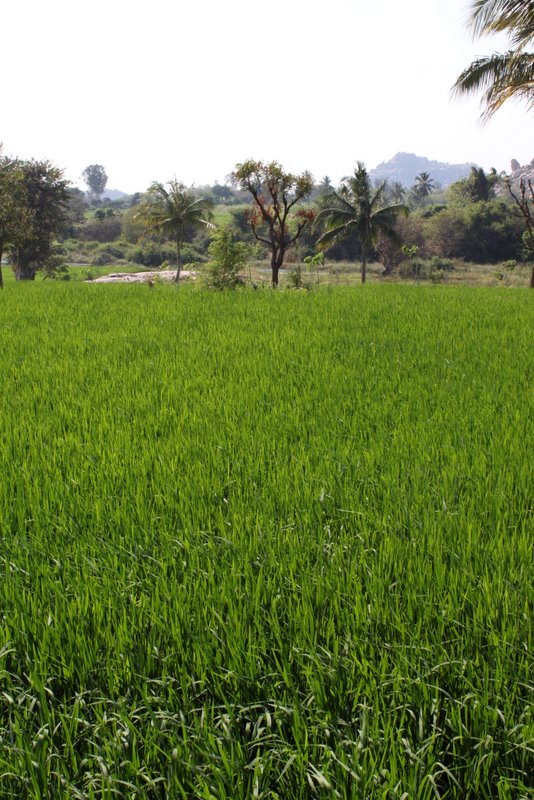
<point>523,197</point>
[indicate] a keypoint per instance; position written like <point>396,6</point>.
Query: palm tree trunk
<point>364,265</point>
<point>178,261</point>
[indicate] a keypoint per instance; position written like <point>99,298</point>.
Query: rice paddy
<point>266,544</point>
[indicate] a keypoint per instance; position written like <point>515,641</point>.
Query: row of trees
<point>358,220</point>
<point>277,216</point>
<point>34,196</point>
<point>355,207</point>
<point>469,221</point>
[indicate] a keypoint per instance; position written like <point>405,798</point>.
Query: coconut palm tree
<point>397,192</point>
<point>501,76</point>
<point>171,210</point>
<point>423,186</point>
<point>357,209</point>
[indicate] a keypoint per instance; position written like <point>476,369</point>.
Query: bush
<point>227,257</point>
<point>294,277</point>
<point>433,269</point>
<point>56,267</point>
<point>152,254</point>
<point>509,265</point>
<point>443,264</point>
<point>102,230</point>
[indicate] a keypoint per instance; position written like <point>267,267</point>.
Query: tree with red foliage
<point>274,219</point>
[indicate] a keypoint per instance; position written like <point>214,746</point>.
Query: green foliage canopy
<point>14,215</point>
<point>96,179</point>
<point>227,257</point>
<point>43,197</point>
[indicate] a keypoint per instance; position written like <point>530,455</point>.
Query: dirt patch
<point>166,275</point>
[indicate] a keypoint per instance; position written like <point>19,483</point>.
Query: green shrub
<point>227,257</point>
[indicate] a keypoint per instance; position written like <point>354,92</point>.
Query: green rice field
<point>266,544</point>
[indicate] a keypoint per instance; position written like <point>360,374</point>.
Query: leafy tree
<point>222,194</point>
<point>477,187</point>
<point>96,179</point>
<point>173,209</point>
<point>44,198</point>
<point>227,257</point>
<point>14,215</point>
<point>107,228</point>
<point>484,232</point>
<point>392,251</point>
<point>358,210</point>
<point>501,76</point>
<point>274,219</point>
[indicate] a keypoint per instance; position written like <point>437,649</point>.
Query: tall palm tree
<point>397,192</point>
<point>423,186</point>
<point>358,209</point>
<point>170,210</point>
<point>501,76</point>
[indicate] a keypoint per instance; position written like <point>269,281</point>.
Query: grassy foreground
<point>265,545</point>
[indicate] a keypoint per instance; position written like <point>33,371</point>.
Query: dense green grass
<point>265,545</point>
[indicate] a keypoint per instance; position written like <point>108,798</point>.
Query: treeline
<point>46,224</point>
<point>457,225</point>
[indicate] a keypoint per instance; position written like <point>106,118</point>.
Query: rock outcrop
<point>404,167</point>
<point>518,172</point>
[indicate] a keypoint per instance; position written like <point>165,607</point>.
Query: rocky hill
<point>517,171</point>
<point>404,167</point>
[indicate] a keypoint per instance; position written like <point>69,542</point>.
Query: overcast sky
<point>188,88</point>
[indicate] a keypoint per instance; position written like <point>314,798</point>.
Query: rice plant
<point>266,545</point>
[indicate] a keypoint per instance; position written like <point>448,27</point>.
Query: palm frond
<point>500,77</point>
<point>334,216</point>
<point>334,234</point>
<point>515,17</point>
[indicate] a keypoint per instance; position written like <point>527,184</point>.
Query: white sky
<point>188,88</point>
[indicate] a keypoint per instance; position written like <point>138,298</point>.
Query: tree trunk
<point>1,276</point>
<point>532,278</point>
<point>24,272</point>
<point>276,262</point>
<point>364,267</point>
<point>178,261</point>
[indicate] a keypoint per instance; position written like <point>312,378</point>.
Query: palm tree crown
<point>501,76</point>
<point>355,208</point>
<point>170,210</point>
<point>423,187</point>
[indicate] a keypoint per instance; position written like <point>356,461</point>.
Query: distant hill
<point>404,167</point>
<point>114,194</point>
<point>109,194</point>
